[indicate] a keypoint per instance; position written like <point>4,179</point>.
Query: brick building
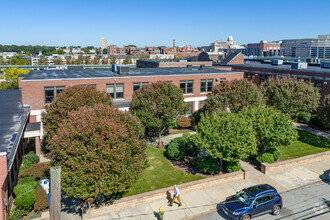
<point>264,49</point>
<point>39,88</point>
<point>13,120</point>
<point>259,72</point>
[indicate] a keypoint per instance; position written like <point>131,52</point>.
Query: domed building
<point>218,46</point>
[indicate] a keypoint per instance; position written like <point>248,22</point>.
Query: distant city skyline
<point>154,23</point>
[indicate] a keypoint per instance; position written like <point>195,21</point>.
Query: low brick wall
<point>147,197</point>
<point>267,168</point>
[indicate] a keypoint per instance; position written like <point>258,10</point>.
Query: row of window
<point>116,90</point>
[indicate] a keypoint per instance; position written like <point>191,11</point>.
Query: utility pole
<point>55,193</point>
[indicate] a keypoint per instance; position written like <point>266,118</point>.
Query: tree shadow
<point>70,205</point>
<point>313,139</point>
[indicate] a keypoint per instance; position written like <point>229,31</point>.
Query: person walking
<point>176,196</point>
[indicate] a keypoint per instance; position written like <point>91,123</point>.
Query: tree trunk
<point>159,138</point>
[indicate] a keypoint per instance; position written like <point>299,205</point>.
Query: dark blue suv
<point>253,201</point>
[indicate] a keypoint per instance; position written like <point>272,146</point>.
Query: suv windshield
<point>244,198</point>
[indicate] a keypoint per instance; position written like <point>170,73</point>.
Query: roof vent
<point>276,62</point>
<point>122,69</point>
<point>189,67</point>
<point>298,66</point>
<point>202,67</point>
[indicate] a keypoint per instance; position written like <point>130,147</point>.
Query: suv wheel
<point>276,210</point>
<point>246,217</point>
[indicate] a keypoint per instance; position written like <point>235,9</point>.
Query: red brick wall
<point>3,176</point>
<point>33,92</point>
<point>184,64</point>
<point>238,60</point>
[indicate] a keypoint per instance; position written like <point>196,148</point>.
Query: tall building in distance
<point>104,43</point>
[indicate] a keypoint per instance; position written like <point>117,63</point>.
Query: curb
<point>216,210</point>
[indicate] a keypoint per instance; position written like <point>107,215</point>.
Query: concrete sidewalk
<point>202,201</point>
<point>311,130</point>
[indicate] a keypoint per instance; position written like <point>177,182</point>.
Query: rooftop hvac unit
<point>114,67</point>
<point>276,62</point>
<point>122,69</point>
<point>298,66</point>
<point>325,65</point>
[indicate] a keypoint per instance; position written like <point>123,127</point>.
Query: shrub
<point>101,151</point>
<point>266,157</point>
<point>37,171</point>
<point>25,196</point>
<point>232,166</point>
<point>28,160</point>
<point>208,165</point>
<point>275,152</point>
<point>16,214</point>
<point>176,151</point>
<point>41,200</point>
<point>184,122</point>
<point>172,124</point>
<point>24,180</point>
<point>305,117</point>
<point>325,112</point>
<point>196,115</point>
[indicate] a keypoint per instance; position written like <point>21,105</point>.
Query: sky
<point>158,22</point>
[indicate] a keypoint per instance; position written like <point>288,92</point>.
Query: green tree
<point>272,127</point>
<point>43,60</point>
<point>157,105</point>
<point>11,77</point>
<point>69,100</point>
<point>127,60</point>
<point>113,59</point>
<point>60,51</point>
<point>325,112</point>
<point>100,150</point>
<point>234,96</point>
<point>296,98</point>
<point>226,136</point>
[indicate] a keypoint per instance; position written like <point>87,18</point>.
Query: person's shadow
<point>168,197</point>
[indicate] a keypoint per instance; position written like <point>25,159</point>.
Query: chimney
<point>173,44</point>
<point>190,48</point>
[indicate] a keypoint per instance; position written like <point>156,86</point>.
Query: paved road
<point>309,202</point>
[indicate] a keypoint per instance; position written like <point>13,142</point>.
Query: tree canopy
<point>226,136</point>
<point>234,95</point>
<point>100,150</point>
<point>156,105</point>
<point>296,98</point>
<point>325,112</point>
<point>272,127</point>
<point>11,77</point>
<point>69,100</point>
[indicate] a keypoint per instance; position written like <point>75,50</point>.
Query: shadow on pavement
<point>70,205</point>
<point>326,177</point>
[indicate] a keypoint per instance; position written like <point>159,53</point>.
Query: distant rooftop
<point>71,74</point>
<point>13,118</point>
<point>310,68</point>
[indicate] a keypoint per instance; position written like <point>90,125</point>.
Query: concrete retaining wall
<point>267,168</point>
<point>147,197</point>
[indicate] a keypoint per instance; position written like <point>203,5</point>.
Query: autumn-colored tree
<point>157,105</point>
<point>96,60</point>
<point>233,96</point>
<point>127,60</point>
<point>105,60</point>
<point>69,100</point>
<point>101,151</point>
<point>113,59</point>
<point>43,60</point>
<point>10,75</point>
<point>59,61</point>
<point>296,98</point>
<point>68,60</point>
<point>226,136</point>
<point>272,127</point>
<point>325,112</point>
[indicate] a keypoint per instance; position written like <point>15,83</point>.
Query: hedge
<point>41,200</point>
<point>37,171</point>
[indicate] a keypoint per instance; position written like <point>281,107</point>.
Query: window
<point>116,90</point>
<point>190,110</point>
<point>201,104</point>
<point>187,86</point>
<point>138,85</point>
<point>206,85</point>
<point>51,92</point>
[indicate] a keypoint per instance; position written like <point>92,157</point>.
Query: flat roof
<point>311,69</point>
<point>13,117</point>
<point>42,75</point>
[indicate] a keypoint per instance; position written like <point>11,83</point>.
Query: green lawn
<point>181,132</point>
<point>306,144</point>
<point>159,174</point>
